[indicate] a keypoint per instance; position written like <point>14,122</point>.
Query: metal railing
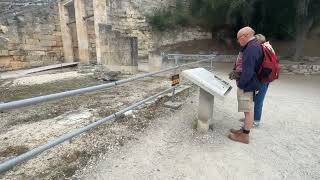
<point>6,165</point>
<point>190,56</point>
<point>34,152</point>
<point>51,97</point>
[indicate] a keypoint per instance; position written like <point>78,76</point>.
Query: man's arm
<point>248,66</point>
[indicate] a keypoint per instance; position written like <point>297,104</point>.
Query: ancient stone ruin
<point>114,33</point>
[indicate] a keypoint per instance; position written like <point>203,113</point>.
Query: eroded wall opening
<point>73,30</point>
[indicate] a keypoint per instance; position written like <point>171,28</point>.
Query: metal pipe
<point>193,55</point>
<point>34,152</point>
<point>176,62</point>
<point>172,56</point>
<point>51,97</point>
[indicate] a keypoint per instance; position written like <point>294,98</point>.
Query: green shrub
<point>165,18</point>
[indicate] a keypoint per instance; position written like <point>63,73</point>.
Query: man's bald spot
<point>248,31</point>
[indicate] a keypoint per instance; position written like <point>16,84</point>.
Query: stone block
<point>17,65</point>
<point>3,43</point>
<point>302,67</point>
<point>172,105</point>
<point>32,41</point>
<point>47,43</point>
<point>19,58</point>
<point>4,52</point>
<point>205,110</point>
<point>3,29</point>
<point>13,46</point>
<point>47,37</point>
<point>316,67</point>
<point>5,61</point>
<point>51,54</point>
<point>37,53</point>
<point>35,63</point>
<point>155,61</point>
<point>27,47</point>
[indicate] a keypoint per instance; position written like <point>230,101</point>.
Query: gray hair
<point>260,38</point>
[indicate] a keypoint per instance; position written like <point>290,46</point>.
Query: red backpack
<point>270,67</point>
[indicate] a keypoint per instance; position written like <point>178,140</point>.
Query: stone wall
<point>90,29</point>
<point>119,53</point>
<point>129,17</point>
<point>300,69</point>
<point>35,36</point>
<point>8,7</point>
<point>34,39</point>
<point>287,67</point>
<point>92,40</point>
<point>179,35</point>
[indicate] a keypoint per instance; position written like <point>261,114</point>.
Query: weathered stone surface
<point>37,28</point>
<point>205,110</point>
<point>316,67</point>
<point>300,69</point>
<point>155,61</point>
<point>118,52</point>
<point>173,105</point>
<point>3,43</point>
<point>4,52</point>
<point>31,35</point>
<point>3,29</point>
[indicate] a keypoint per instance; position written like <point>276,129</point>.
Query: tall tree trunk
<point>303,30</point>
<point>304,25</point>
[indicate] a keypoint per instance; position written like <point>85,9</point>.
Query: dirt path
<point>286,146</point>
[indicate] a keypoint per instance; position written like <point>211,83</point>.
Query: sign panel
<point>208,81</point>
<point>175,79</point>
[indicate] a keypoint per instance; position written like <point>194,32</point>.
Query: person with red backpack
<point>269,64</point>
<point>260,95</point>
<point>267,72</point>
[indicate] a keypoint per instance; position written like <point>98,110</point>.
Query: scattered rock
<point>111,76</point>
<point>13,151</point>
<point>3,29</point>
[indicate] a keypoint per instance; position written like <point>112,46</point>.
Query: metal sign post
<point>175,81</point>
<point>175,78</point>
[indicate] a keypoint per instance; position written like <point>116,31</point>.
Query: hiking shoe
<point>240,137</point>
<point>256,124</point>
<point>236,131</point>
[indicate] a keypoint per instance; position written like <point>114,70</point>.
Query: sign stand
<point>210,86</point>
<point>205,111</point>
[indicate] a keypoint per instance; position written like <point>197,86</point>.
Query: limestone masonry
<point>42,32</point>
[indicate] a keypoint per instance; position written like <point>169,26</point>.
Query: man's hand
<point>233,75</point>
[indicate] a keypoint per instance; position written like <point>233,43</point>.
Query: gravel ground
<point>28,127</point>
<point>286,146</point>
<point>159,143</point>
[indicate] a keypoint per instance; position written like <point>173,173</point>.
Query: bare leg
<point>248,122</point>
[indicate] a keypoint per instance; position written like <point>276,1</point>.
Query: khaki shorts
<point>245,101</point>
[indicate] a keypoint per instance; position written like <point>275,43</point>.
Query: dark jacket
<point>252,59</point>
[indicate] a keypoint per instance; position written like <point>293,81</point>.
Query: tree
<point>281,20</point>
<point>308,16</point>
